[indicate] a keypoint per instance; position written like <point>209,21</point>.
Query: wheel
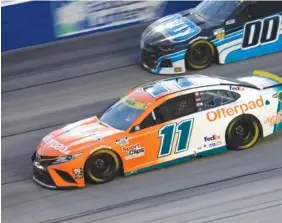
<point>242,133</point>
<point>102,166</point>
<point>200,55</point>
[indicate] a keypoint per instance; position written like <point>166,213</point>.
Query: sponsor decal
<point>177,69</point>
<point>200,104</point>
<point>211,138</point>
<point>219,33</point>
<point>198,38</point>
<point>94,133</point>
<point>198,99</point>
<point>134,104</point>
<point>278,95</point>
<point>237,109</point>
<point>78,173</point>
<point>214,144</point>
<point>176,28</point>
<point>274,119</point>
<point>73,17</point>
<point>133,151</point>
<point>122,141</point>
<point>236,88</point>
<point>49,141</point>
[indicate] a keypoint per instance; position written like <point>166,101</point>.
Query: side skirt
<point>211,152</point>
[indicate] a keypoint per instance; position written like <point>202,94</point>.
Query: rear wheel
<point>102,166</point>
<point>200,55</point>
<point>242,133</point>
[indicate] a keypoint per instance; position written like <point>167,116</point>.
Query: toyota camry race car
<point>161,123</point>
<point>220,31</point>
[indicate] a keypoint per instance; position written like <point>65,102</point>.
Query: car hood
<point>75,137</point>
<point>173,29</point>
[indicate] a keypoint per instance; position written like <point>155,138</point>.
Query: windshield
<point>123,113</point>
<point>216,10</point>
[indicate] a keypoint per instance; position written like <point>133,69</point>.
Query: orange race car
<point>161,123</point>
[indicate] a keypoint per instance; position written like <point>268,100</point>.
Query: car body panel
<point>140,148</point>
<point>165,43</point>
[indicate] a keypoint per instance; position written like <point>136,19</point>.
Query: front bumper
<point>58,176</point>
<point>173,63</point>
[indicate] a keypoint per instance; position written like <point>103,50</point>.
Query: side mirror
<point>230,22</point>
<point>135,128</point>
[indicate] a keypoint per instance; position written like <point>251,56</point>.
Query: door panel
<point>259,35</point>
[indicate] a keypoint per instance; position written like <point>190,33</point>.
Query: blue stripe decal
<point>229,47</point>
<point>240,54</point>
<point>174,57</point>
<point>179,160</point>
<point>228,39</point>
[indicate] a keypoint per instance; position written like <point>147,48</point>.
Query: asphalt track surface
<point>46,87</point>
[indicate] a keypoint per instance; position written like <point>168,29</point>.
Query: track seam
<point>69,78</point>
<point>99,210</point>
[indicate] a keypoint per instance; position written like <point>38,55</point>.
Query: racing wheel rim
<point>102,166</point>
<point>200,55</point>
<point>243,133</point>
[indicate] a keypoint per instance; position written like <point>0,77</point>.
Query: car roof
<point>151,91</point>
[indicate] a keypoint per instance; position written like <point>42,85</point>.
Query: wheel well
<point>121,170</point>
<point>216,54</point>
<point>252,117</point>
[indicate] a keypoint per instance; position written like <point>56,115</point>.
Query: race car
<point>214,31</point>
<point>161,123</point>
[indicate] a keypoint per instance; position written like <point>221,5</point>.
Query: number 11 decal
<point>167,135</point>
<point>261,32</point>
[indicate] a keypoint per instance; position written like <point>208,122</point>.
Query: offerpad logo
<point>237,109</point>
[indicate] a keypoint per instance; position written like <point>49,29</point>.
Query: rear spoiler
<point>265,74</point>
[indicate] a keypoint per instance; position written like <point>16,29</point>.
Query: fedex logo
<point>211,138</point>
<point>236,88</point>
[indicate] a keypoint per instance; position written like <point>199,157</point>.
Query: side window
<point>259,9</point>
<point>172,109</point>
<point>256,10</point>
<point>147,122</point>
<point>177,107</point>
<point>215,98</point>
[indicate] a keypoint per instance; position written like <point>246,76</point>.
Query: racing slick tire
<point>102,166</point>
<point>200,55</point>
<point>243,132</point>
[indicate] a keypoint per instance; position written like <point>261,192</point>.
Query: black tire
<point>200,55</point>
<point>102,166</point>
<point>243,132</point>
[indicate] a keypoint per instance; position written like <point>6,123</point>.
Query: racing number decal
<point>167,134</point>
<point>261,32</point>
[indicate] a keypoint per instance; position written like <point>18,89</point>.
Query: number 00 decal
<point>261,32</point>
<point>167,134</point>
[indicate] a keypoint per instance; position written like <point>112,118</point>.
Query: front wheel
<point>102,166</point>
<point>200,55</point>
<point>242,133</point>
